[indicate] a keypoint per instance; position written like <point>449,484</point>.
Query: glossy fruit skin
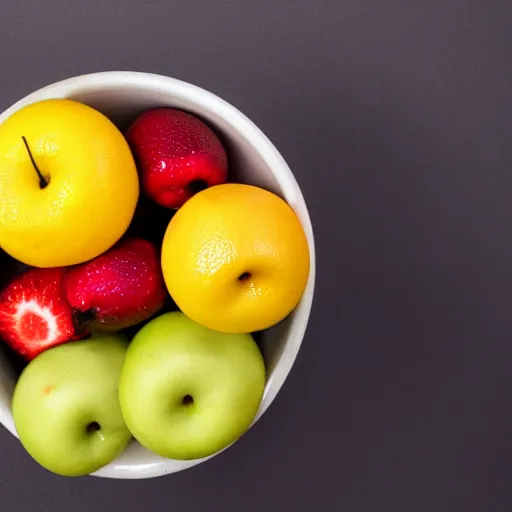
<point>120,288</point>
<point>34,313</point>
<point>235,258</point>
<point>60,395</point>
<point>92,184</point>
<point>176,152</point>
<point>186,391</point>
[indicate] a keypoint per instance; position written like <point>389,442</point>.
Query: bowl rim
<point>254,136</point>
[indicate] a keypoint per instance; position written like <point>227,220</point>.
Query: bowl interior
<point>253,159</point>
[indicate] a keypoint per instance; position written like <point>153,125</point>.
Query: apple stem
<point>43,182</point>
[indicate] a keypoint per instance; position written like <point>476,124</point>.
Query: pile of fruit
<point>133,277</point>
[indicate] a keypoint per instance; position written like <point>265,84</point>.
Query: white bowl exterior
<point>119,95</point>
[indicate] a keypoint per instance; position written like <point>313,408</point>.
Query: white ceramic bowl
<point>121,96</point>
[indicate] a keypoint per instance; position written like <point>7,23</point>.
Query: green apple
<point>186,391</point>
<point>66,405</point>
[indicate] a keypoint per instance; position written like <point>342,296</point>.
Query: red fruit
<point>120,288</point>
<point>34,313</point>
<point>177,155</point>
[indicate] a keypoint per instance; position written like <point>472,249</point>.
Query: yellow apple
<point>68,184</point>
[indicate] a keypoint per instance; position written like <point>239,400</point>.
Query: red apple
<point>177,155</point>
<point>121,288</point>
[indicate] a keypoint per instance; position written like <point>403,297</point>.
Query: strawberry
<point>120,288</point>
<point>34,313</point>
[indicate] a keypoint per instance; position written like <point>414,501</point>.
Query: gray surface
<point>395,116</point>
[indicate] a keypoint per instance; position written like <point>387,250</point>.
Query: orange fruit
<point>235,258</point>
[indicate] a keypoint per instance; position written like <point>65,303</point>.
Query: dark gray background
<point>395,116</point>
